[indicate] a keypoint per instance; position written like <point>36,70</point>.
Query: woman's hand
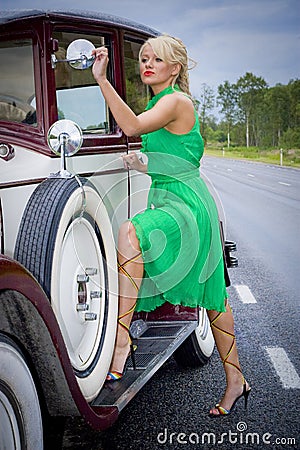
<point>100,63</point>
<point>132,162</point>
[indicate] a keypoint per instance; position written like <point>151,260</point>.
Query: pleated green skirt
<point>179,236</point>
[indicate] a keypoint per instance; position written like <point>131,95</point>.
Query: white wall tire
<point>198,347</point>
<point>65,240</point>
<point>20,414</point>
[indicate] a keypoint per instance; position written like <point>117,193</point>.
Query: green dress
<point>179,232</point>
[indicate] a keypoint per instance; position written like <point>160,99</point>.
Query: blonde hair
<point>172,51</point>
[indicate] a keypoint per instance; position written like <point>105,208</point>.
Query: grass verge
<point>289,158</point>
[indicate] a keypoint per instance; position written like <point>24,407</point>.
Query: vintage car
<point>63,194</point>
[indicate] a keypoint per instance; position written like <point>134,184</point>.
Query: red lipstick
<point>147,73</point>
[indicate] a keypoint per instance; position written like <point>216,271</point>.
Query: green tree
<point>227,99</point>
<point>293,89</point>
<point>205,104</point>
<point>248,89</point>
<point>276,111</point>
<point>291,138</point>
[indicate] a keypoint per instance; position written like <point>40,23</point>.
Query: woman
<point>172,251</point>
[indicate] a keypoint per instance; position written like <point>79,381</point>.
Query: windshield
<point>78,96</point>
<point>137,93</point>
<point>17,91</point>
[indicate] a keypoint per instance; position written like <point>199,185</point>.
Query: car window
<point>17,91</point>
<point>78,96</point>
<point>137,93</point>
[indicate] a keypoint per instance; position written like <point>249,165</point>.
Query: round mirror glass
<point>64,134</point>
<point>79,54</point>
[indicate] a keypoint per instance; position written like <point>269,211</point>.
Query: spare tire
<point>65,240</point>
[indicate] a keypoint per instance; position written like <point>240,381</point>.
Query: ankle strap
<point>124,271</point>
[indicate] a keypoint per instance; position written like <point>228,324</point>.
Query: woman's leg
<point>131,270</point>
<point>222,325</point>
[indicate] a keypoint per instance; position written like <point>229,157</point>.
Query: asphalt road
<point>262,208</point>
<point>171,412</point>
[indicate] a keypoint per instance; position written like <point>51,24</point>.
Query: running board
<point>155,345</point>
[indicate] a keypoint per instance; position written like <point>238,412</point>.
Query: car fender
<point>27,317</point>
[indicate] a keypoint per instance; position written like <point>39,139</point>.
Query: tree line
<point>252,113</point>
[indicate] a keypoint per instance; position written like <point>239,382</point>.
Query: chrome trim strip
<point>12,184</point>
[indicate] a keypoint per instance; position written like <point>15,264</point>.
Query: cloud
<point>226,37</point>
<point>231,55</point>
<point>230,38</point>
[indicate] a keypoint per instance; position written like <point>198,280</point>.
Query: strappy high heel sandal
<point>224,411</point>
<point>114,375</point>
<point>246,391</point>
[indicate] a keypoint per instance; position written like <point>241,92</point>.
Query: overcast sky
<point>227,38</point>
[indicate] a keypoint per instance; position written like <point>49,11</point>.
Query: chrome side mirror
<point>64,139</point>
<point>79,55</point>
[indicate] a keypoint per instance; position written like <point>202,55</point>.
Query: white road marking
<point>284,367</point>
<point>244,293</point>
<point>284,184</point>
<point>250,175</point>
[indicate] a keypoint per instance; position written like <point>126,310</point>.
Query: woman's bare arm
<point>164,113</point>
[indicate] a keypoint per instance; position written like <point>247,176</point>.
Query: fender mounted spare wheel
<point>65,240</point>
